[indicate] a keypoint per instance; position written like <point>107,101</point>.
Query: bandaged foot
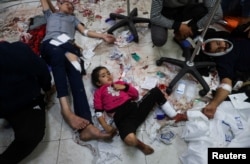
<point>168,109</point>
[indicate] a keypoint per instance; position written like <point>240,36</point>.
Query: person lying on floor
<point>23,75</point>
<point>231,56</point>
<point>118,100</point>
<point>64,58</point>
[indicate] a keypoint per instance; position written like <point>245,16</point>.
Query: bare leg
<point>132,140</point>
<point>73,120</point>
<point>91,132</point>
<point>72,57</point>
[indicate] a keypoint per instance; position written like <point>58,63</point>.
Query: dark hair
<point>95,75</point>
<point>208,47</point>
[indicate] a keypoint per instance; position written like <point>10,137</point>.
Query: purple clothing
<point>106,98</point>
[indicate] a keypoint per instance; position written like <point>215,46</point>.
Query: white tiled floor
<point>58,146</point>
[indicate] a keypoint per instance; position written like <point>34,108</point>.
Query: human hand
<point>109,38</point>
<point>118,86</point>
<point>180,117</point>
<point>209,111</point>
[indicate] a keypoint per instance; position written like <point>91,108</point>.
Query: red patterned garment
<point>37,35</point>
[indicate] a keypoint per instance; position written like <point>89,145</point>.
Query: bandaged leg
<point>74,60</point>
<point>168,109</point>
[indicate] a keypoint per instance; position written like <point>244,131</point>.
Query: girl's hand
<point>118,86</point>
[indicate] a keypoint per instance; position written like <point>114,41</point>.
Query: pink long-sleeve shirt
<point>106,98</point>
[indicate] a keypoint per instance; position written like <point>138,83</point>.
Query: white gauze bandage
<point>98,114</point>
<point>226,87</point>
<point>85,32</point>
<point>77,65</point>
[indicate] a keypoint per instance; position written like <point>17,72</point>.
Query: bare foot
<point>91,133</point>
<point>145,148</point>
<point>76,122</point>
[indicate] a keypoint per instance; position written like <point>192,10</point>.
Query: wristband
<point>85,32</point>
<point>98,114</point>
<point>226,87</point>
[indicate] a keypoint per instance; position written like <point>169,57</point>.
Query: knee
<point>159,36</point>
<point>159,41</point>
<point>131,139</point>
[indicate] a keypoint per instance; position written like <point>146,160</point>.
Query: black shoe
<point>82,67</point>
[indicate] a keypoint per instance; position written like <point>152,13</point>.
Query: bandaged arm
<point>223,90</point>
<point>89,33</point>
<point>102,121</point>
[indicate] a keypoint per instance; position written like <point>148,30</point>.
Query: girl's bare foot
<point>145,148</point>
<point>91,132</point>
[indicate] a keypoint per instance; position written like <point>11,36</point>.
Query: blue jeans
<point>64,72</point>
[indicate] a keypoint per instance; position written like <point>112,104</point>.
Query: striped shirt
<point>157,18</point>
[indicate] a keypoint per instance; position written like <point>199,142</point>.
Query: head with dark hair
<point>217,47</point>
<point>66,6</point>
<point>207,47</point>
<point>95,75</point>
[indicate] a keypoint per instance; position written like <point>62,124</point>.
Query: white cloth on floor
<point>229,128</point>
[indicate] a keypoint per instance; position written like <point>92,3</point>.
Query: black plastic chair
<point>189,66</point>
<point>129,21</point>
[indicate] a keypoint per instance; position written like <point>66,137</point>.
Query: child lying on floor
<point>118,100</point>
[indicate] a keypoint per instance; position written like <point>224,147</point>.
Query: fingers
<point>208,113</point>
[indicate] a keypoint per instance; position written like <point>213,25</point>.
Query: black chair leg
<point>187,67</point>
<point>129,21</point>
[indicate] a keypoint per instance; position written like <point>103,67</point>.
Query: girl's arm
<point>108,128</point>
<point>131,90</point>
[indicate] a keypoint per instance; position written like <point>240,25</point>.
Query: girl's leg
<point>147,103</point>
<point>132,140</point>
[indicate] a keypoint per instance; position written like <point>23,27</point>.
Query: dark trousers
<point>64,72</point>
<point>195,12</point>
<point>131,115</point>
<point>29,127</point>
